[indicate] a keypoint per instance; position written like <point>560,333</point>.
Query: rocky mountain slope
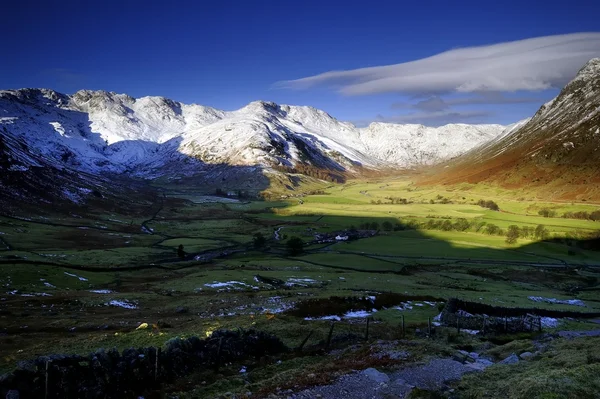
<point>97,131</point>
<point>557,150</point>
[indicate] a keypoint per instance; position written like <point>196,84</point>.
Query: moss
<point>568,369</point>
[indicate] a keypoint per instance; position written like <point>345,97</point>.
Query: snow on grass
<point>102,291</point>
<point>47,284</point>
<point>122,304</point>
<point>236,285</point>
<point>549,322</point>
<point>74,275</point>
<point>574,302</point>
<point>404,306</point>
<point>359,314</point>
<point>301,282</point>
<point>276,305</point>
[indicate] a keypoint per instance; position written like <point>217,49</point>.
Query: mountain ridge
<point>557,151</point>
<point>110,132</point>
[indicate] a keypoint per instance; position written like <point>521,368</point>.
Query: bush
<point>547,213</point>
<point>541,233</point>
<point>295,246</point>
<point>513,234</point>
<point>488,204</point>
<point>259,241</point>
<point>492,229</point>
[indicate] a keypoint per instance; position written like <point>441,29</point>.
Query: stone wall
<point>133,372</point>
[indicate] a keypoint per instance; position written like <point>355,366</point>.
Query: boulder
<point>376,375</point>
<point>12,394</point>
<point>512,359</point>
<point>526,355</point>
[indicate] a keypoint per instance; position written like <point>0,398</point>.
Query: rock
<point>142,326</point>
<point>512,359</point>
<point>476,366</point>
<point>526,355</point>
<point>459,357</point>
<point>28,365</point>
<point>12,394</point>
<point>376,375</point>
<point>485,362</point>
<point>181,309</point>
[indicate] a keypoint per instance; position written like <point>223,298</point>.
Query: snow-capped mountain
<point>558,148</point>
<point>98,131</point>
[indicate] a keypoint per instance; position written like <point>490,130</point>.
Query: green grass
<point>413,262</point>
<point>567,369</point>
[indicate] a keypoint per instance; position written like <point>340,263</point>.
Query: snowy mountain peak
<point>101,131</point>
<point>589,70</point>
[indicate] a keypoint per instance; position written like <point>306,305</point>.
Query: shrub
<point>513,234</point>
<point>259,241</point>
<point>488,204</point>
<point>295,246</point>
<point>492,229</point>
<point>541,233</point>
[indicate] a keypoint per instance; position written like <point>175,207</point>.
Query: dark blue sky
<point>227,53</point>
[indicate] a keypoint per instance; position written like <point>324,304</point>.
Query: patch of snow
<point>549,322</point>
<point>302,282</point>
<point>102,291</point>
<point>229,285</point>
<point>74,275</point>
<point>359,314</point>
<point>47,284</point>
<point>122,304</point>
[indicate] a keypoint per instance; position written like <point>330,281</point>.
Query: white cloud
<point>530,64</point>
<point>436,103</point>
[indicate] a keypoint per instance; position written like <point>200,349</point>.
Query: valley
<point>156,249</point>
<point>76,279</point>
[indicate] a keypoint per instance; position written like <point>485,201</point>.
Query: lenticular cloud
<point>530,64</point>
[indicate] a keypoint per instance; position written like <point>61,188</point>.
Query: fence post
<point>305,341</point>
<point>429,326</point>
<point>367,332</point>
<point>329,335</point>
<point>403,330</point>
<point>157,355</point>
<point>218,354</point>
<point>47,378</point>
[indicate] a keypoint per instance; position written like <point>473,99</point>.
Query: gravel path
<point>373,384</point>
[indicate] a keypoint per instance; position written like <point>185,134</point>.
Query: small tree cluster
<point>595,215</point>
<point>547,213</point>
<point>489,204</point>
<point>295,246</point>
<point>259,241</point>
<point>512,235</point>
